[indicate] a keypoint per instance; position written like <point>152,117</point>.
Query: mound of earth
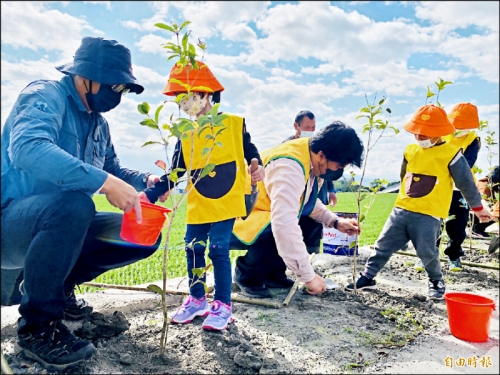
<point>391,330</point>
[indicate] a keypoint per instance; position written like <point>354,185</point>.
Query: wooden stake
<point>181,292</point>
<point>295,286</point>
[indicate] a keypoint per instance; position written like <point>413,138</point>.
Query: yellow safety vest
<point>427,187</point>
<point>463,143</point>
<point>247,231</point>
<point>221,194</point>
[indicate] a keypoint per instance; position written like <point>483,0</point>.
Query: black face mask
<point>105,99</point>
<point>330,175</point>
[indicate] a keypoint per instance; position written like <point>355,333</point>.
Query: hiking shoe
<point>436,289</point>
<point>191,308</point>
<point>363,283</point>
<point>220,316</point>
<point>253,291</point>
<point>419,266</point>
<point>455,265</point>
<point>53,345</point>
<point>74,309</point>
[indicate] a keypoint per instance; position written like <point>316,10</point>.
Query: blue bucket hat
<point>105,61</point>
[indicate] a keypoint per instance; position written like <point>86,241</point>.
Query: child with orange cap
<point>214,201</point>
<point>464,117</point>
<point>427,174</point>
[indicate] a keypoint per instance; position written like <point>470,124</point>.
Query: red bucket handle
<point>494,313</point>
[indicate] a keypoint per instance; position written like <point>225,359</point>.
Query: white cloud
<point>222,17</point>
<point>160,9</point>
<point>107,4</point>
<point>16,76</point>
<point>54,30</point>
<point>152,43</point>
<point>460,14</point>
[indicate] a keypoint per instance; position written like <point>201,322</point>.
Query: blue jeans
<point>60,241</point>
<point>219,234</point>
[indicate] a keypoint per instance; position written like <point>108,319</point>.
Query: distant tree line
<point>345,185</point>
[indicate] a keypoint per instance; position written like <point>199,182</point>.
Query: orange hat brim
<point>195,77</point>
<point>422,128</point>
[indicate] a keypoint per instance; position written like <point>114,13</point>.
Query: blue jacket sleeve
<point>165,184</point>
<point>34,148</point>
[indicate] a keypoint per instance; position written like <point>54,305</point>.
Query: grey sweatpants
<point>400,227</point>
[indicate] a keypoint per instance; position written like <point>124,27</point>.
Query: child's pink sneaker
<point>191,308</point>
<point>220,316</point>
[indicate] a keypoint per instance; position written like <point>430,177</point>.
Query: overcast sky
<point>275,59</point>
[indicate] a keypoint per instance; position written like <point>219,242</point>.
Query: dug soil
<point>394,329</point>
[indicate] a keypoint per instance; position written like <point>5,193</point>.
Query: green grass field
<point>150,269</point>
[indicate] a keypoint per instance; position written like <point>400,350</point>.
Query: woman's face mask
<point>331,175</point>
<point>193,104</point>
<point>105,100</point>
<point>425,143</point>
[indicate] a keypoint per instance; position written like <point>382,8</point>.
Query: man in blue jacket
<point>56,153</point>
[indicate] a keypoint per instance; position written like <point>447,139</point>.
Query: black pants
<point>60,240</point>
<point>455,228</point>
<point>262,261</point>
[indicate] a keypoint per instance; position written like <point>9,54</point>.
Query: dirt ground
<point>391,330</point>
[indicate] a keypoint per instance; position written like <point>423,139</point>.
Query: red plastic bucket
<point>146,233</point>
<point>469,315</point>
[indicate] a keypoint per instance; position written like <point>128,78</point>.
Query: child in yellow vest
<point>427,174</point>
<point>464,117</point>
<point>213,202</point>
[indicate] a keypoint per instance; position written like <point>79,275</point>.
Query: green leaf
<point>201,243</point>
<point>352,244</point>
<point>381,101</point>
<point>217,120</point>
<point>361,218</point>
<point>207,169</point>
<point>173,176</point>
<point>184,41</point>
<point>143,108</point>
<point>155,288</point>
<point>200,132</point>
<point>157,113</point>
<point>198,272</point>
<point>151,143</point>
<point>185,85</point>
<point>205,151</point>
<point>219,144</point>
<point>205,287</point>
<point>430,94</point>
<point>202,88</point>
<point>164,26</point>
<point>439,104</point>
<point>220,131</point>
<point>388,110</point>
<point>184,24</point>
<point>215,110</point>
<point>149,123</point>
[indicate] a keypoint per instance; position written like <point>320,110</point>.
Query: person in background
<point>464,117</point>
<point>305,126</point>
<point>489,187</point>
<point>429,169</point>
<point>215,201</point>
<point>56,154</point>
<point>295,172</point>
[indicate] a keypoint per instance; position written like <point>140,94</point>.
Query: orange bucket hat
<point>431,121</point>
<point>194,77</point>
<point>464,116</point>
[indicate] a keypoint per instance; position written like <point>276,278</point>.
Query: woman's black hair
<point>339,143</point>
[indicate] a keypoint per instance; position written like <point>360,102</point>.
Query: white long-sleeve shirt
<point>284,182</point>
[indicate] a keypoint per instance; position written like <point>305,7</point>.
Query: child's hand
<point>258,174</point>
<point>152,179</point>
<point>484,215</point>
<point>143,197</point>
<point>164,197</point>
